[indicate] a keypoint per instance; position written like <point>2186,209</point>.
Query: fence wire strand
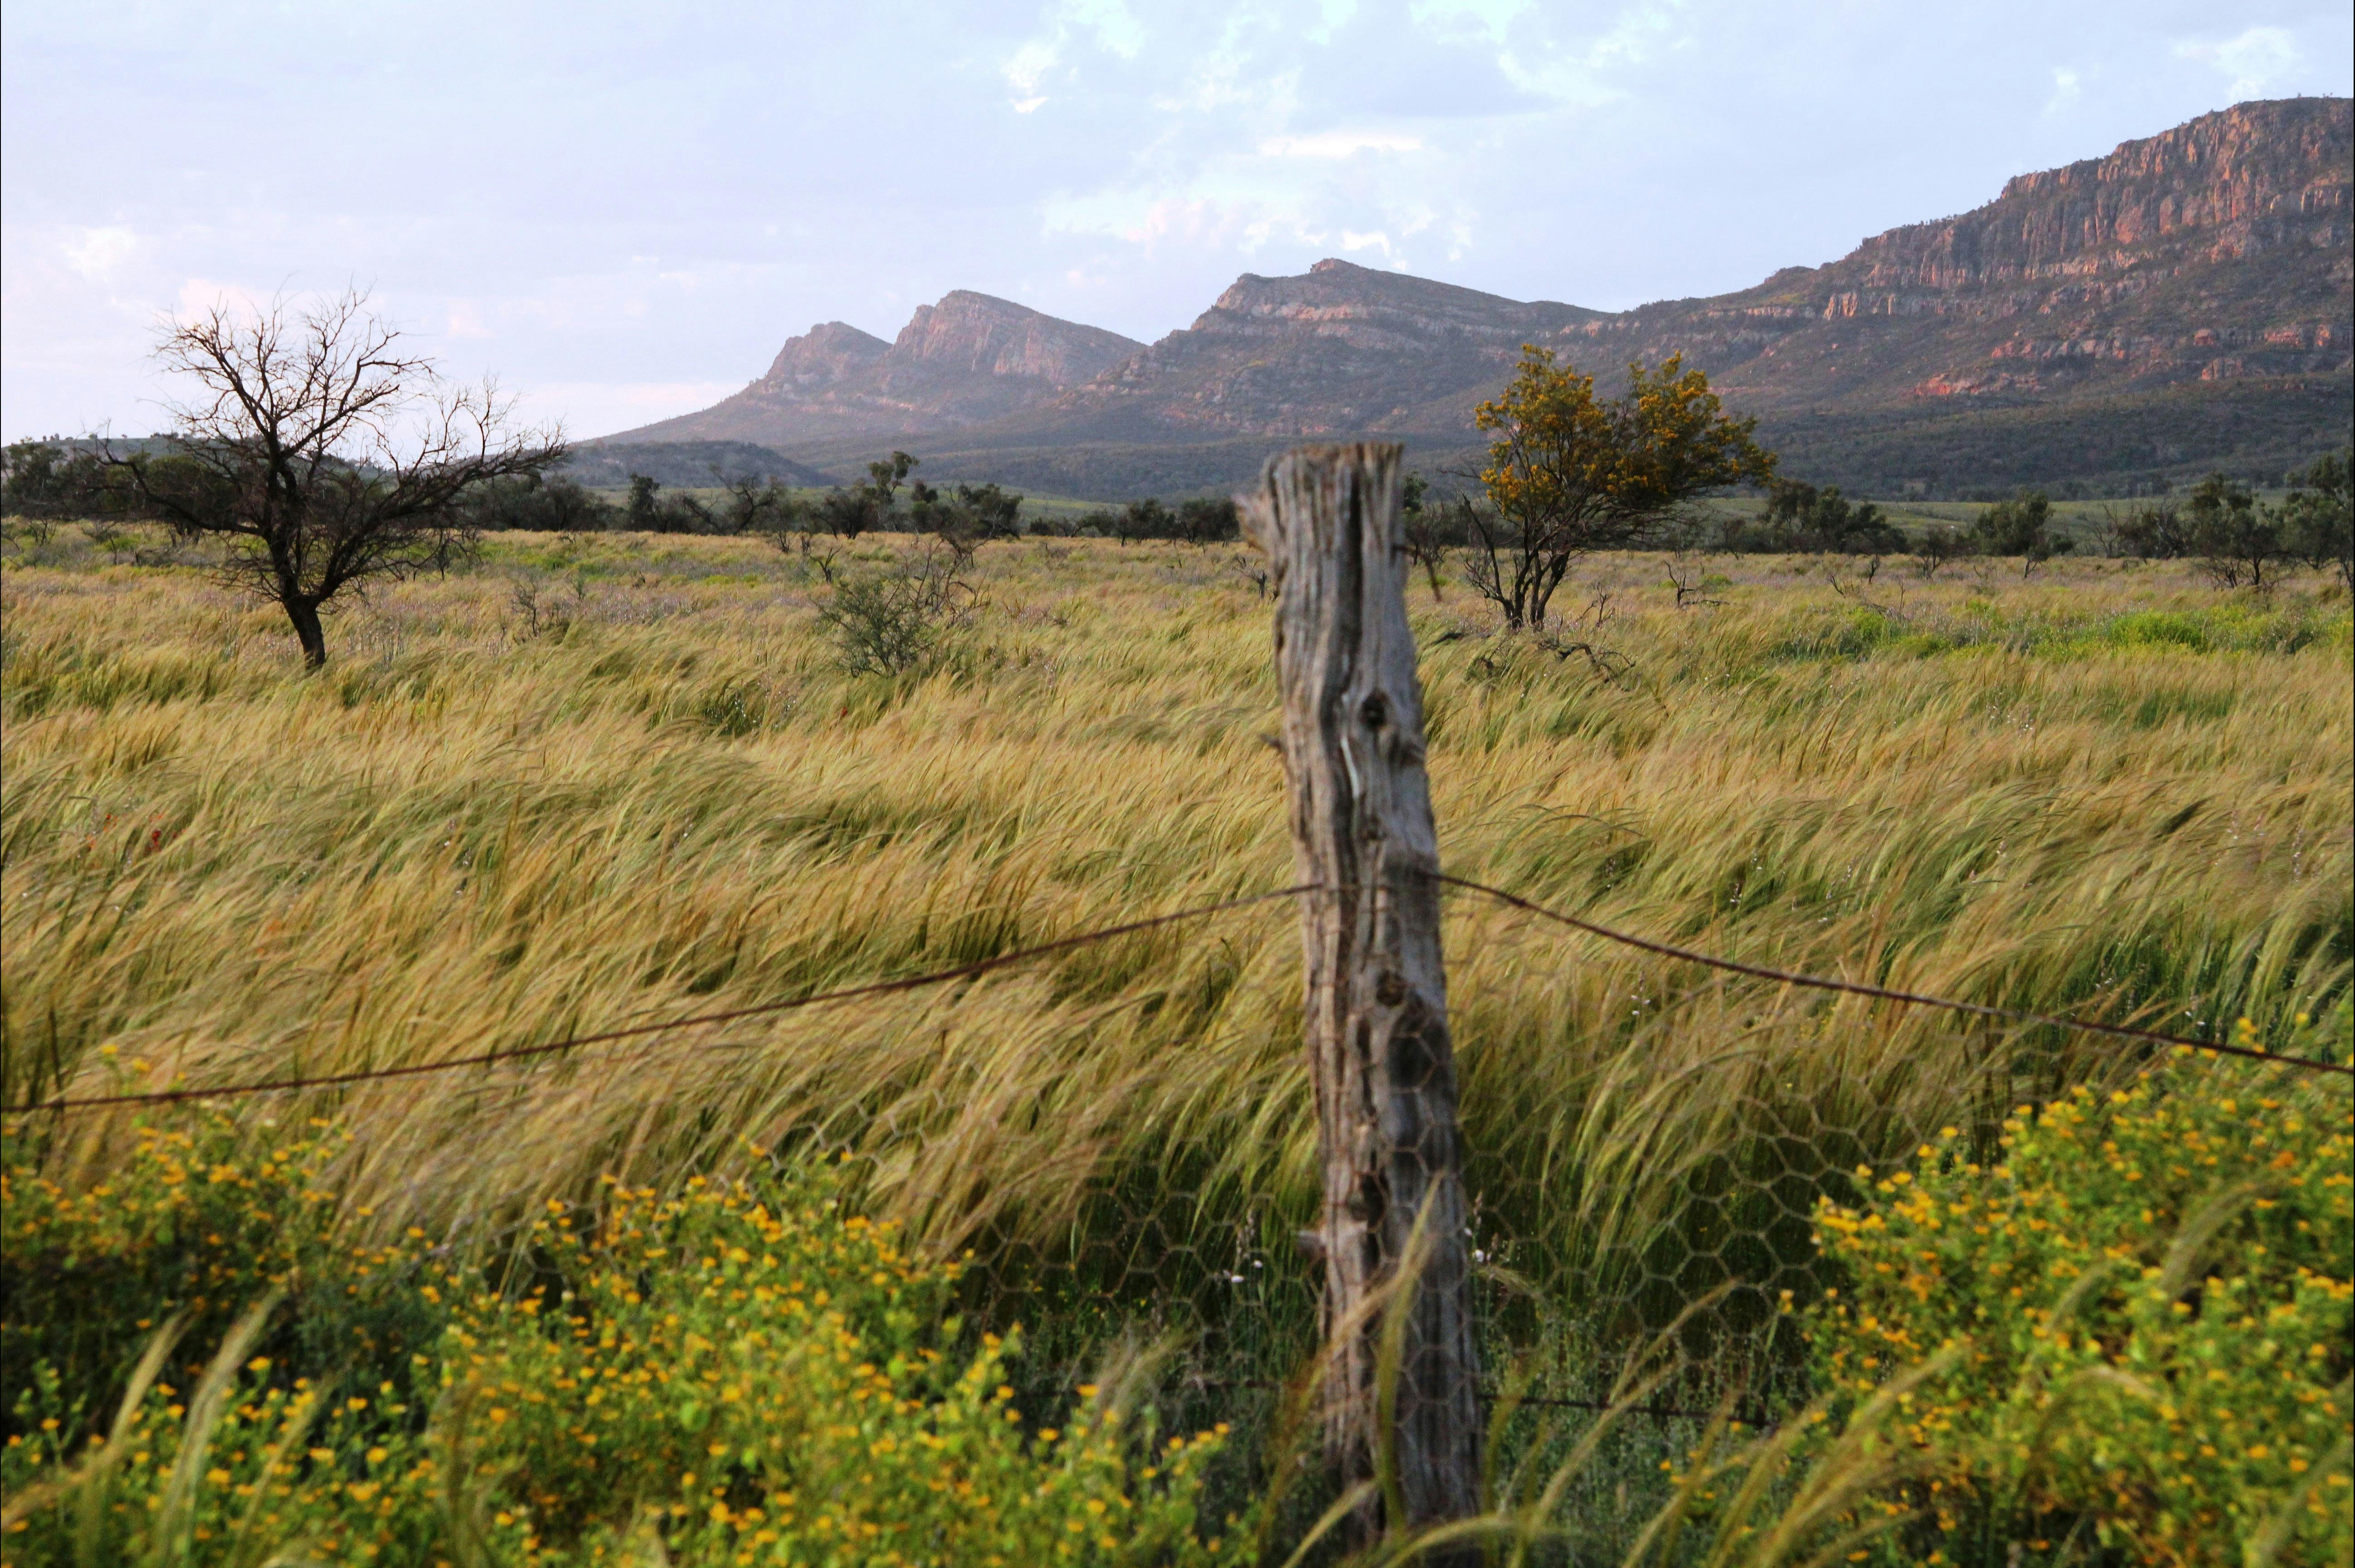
<point>1886,993</point>
<point>1126,928</point>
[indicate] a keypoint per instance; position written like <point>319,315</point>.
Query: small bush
<point>894,621</point>
<point>763,1373</point>
<point>744,1374</point>
<point>187,1224</point>
<point>2149,1294</point>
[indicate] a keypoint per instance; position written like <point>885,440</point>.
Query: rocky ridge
<point>2214,250</point>
<point>969,359</point>
<point>2215,253</point>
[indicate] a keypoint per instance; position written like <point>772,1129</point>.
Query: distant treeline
<point>686,464</point>
<point>2124,446</point>
<point>2218,519</point>
<point>888,498</point>
<point>1796,519</point>
<point>65,479</point>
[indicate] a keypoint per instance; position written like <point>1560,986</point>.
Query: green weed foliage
<point>745,1372</point>
<point>2147,1301</point>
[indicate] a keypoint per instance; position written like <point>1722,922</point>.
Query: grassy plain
<point>600,781</point>
<point>2100,786</point>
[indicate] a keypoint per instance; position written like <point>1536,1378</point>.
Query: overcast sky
<point>624,209</point>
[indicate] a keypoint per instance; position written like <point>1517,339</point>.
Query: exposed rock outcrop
<point>2116,273</point>
<point>1340,348</point>
<point>2216,252</point>
<point>965,361</point>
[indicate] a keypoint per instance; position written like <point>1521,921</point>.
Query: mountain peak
<point>2208,262</point>
<point>983,335</point>
<point>966,359</point>
<point>826,353</point>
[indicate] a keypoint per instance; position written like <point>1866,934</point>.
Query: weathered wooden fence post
<point>1329,518</point>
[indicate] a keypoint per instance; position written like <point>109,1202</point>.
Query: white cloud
<point>1028,66</point>
<point>1109,23</point>
<point>1483,19</point>
<point>1114,26</point>
<point>100,251</point>
<point>2254,60</point>
<point>1563,149</point>
<point>1340,144</point>
<point>199,295</point>
<point>1598,73</point>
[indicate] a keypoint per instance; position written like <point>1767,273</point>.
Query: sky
<point>621,211</point>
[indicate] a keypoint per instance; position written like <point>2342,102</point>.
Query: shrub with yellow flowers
<point>199,1366</point>
<point>745,1372</point>
<point>197,1220</point>
<point>758,1377</point>
<point>2146,1296</point>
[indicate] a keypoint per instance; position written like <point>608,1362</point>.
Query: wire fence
<point>979,968</point>
<point>1573,1272</point>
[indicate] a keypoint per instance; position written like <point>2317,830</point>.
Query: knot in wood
<point>1390,989</point>
<point>1375,711</point>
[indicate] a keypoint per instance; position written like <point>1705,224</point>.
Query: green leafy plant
<point>745,1372</point>
<point>190,1224</point>
<point>2149,1296</point>
<point>2021,526</point>
<point>756,1372</point>
<point>894,621</point>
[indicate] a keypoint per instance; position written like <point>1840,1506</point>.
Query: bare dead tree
<point>324,454</point>
<point>1855,587</point>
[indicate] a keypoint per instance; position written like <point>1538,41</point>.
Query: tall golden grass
<point>2101,789</point>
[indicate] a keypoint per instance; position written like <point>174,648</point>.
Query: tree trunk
<point>304,614</point>
<point>1377,996</point>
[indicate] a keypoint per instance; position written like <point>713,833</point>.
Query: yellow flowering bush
<point>2147,1297</point>
<point>193,1221</point>
<point>233,1480</point>
<point>744,1373</point>
<point>764,1379</point>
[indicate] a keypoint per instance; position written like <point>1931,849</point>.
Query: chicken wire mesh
<point>1654,1202</point>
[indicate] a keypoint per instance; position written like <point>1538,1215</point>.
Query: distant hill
<point>2181,304</point>
<point>686,465</point>
<point>965,361</point>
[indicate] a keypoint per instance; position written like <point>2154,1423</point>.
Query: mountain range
<point>2180,304</point>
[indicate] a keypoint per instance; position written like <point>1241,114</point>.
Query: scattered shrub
<point>2021,526</point>
<point>2315,519</point>
<point>549,504</point>
<point>1800,517</point>
<point>2154,532</point>
<point>2238,543</point>
<point>2148,1295</point>
<point>894,621</point>
<point>744,1374</point>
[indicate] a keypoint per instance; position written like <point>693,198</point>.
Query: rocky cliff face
<point>2215,253</point>
<point>2217,250</point>
<point>973,334</point>
<point>965,361</point>
<point>826,354</point>
<point>1341,348</point>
